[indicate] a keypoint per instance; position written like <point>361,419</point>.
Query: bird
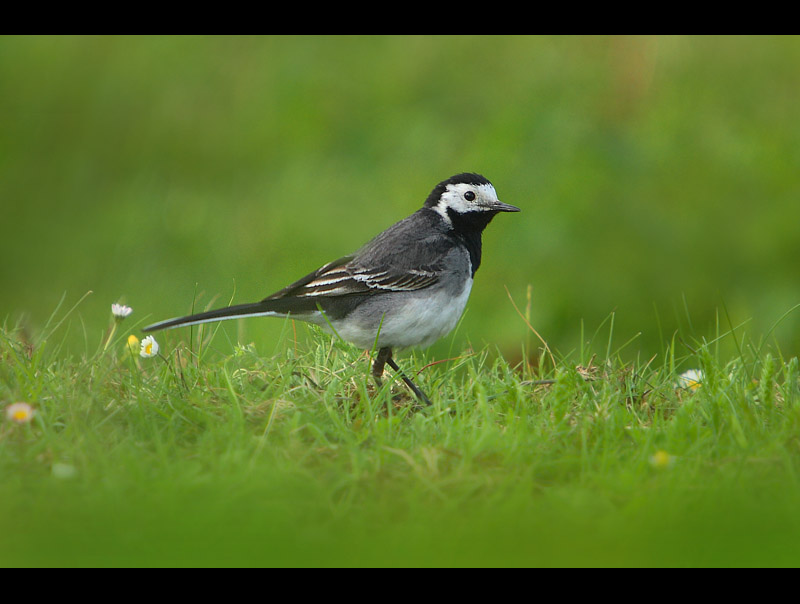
<point>407,287</point>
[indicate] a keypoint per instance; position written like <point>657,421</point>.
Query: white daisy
<point>149,347</point>
<point>120,311</point>
<point>21,413</point>
<point>691,379</point>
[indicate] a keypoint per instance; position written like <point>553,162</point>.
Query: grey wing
<point>391,279</point>
<point>343,277</point>
<point>378,267</point>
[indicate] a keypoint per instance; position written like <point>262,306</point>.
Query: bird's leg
<point>385,356</point>
<point>419,393</point>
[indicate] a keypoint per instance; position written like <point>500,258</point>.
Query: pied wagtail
<point>407,287</point>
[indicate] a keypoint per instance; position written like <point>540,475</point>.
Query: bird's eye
<point>469,196</point>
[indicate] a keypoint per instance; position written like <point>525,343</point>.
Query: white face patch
<point>455,198</point>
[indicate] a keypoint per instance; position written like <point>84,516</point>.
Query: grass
<point>291,457</point>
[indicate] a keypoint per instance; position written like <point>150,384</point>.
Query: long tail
<point>255,309</point>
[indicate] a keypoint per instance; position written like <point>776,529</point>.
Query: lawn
<point>294,458</point>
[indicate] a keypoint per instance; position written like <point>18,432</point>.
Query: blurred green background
<point>659,177</point>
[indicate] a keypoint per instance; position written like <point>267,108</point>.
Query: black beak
<point>499,206</point>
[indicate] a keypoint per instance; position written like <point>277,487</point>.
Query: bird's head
<point>468,196</point>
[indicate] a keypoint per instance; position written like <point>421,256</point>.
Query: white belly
<point>418,321</point>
